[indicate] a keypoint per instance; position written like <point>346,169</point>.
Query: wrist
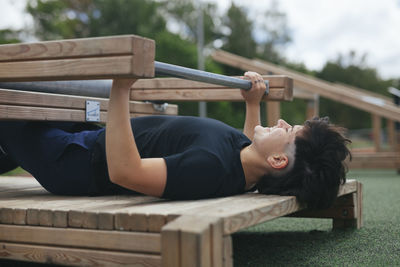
<point>252,104</point>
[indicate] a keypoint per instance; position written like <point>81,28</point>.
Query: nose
<point>283,124</point>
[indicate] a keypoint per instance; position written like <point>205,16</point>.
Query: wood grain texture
<point>72,48</point>
<point>192,239</point>
<point>136,213</point>
<point>75,257</point>
<point>91,58</point>
<point>8,112</point>
<point>275,94</point>
<point>375,160</point>
<point>21,105</point>
<point>275,81</point>
<point>78,238</point>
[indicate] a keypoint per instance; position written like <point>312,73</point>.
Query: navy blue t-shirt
<point>202,155</point>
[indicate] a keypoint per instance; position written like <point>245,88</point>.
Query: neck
<point>254,166</point>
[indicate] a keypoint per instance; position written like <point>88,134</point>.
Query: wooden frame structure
<point>147,231</point>
<point>379,106</point>
<point>127,230</point>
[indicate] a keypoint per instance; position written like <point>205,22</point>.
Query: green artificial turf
<point>311,242</point>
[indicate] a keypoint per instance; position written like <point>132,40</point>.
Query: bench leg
<point>346,212</point>
<point>228,252</point>
<point>350,207</point>
<point>193,241</point>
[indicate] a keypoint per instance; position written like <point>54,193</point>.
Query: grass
<point>311,242</point>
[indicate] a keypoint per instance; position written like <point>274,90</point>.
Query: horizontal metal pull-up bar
<point>202,76</point>
<point>101,88</point>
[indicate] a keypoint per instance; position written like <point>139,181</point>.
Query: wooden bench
<point>128,230</point>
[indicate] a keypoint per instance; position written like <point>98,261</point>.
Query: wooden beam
<point>90,58</point>
<point>192,241</point>
<point>168,89</point>
<point>75,257</point>
<point>79,238</point>
<point>276,94</point>
<point>376,131</point>
<point>275,81</point>
<point>21,105</point>
<point>273,113</point>
<point>391,133</point>
<point>356,98</point>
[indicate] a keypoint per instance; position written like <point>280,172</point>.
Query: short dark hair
<point>319,167</point>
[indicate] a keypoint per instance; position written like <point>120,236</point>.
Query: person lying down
<point>178,157</point>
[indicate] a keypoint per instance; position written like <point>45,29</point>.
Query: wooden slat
<point>375,160</point>
<point>67,69</point>
<point>106,240</point>
<point>75,257</point>
<point>228,252</point>
<point>72,48</point>
<point>50,114</point>
<point>275,81</point>
<point>347,95</point>
<point>36,99</point>
<point>91,58</point>
<point>273,113</point>
<point>275,94</point>
<point>188,241</point>
<point>376,131</point>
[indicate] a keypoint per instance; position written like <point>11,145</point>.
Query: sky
<point>320,30</point>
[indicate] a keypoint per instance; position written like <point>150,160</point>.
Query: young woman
<point>180,157</point>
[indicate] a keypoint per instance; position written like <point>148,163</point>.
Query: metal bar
<point>202,76</point>
<point>101,88</point>
<point>92,88</point>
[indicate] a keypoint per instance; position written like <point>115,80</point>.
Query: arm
<point>253,98</point>
<point>125,166</point>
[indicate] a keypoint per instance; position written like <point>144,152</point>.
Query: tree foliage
<point>352,70</point>
<point>173,25</point>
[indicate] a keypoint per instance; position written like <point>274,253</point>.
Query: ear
<point>278,161</point>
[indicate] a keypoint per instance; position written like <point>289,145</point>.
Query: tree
<point>239,39</point>
<point>352,70</point>
<point>276,32</point>
<point>8,36</point>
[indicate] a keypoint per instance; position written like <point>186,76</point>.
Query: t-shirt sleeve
<point>193,174</point>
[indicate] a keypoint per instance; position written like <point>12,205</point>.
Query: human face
<point>275,140</point>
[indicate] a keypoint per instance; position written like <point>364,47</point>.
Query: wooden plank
<point>228,251</point>
<point>8,112</point>
<point>302,93</point>
<point>346,95</point>
<point>121,57</point>
<point>273,113</point>
<point>249,209</point>
<point>275,81</point>
<point>143,62</point>
<point>195,239</point>
<point>68,69</point>
<point>376,131</point>
<point>159,213</point>
<point>93,239</point>
<point>36,99</point>
<point>75,257</point>
<point>312,108</point>
<point>71,48</point>
<point>275,94</point>
<point>356,220</point>
<point>391,132</point>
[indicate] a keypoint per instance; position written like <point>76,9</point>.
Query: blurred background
<point>352,42</point>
